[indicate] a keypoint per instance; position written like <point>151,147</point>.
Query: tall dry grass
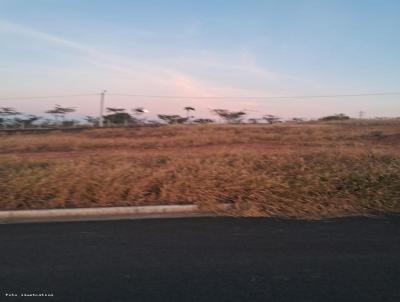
<point>202,135</point>
<point>307,171</point>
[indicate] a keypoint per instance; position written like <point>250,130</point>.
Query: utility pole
<point>101,119</point>
<point>361,114</point>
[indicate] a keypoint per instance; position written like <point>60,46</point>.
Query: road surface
<point>202,259</point>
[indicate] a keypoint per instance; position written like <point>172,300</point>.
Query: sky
<point>207,48</point>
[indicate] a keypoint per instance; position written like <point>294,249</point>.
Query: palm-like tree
<point>188,109</point>
<point>60,112</point>
<point>233,117</point>
<point>271,119</point>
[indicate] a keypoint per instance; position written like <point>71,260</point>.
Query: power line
<point>208,97</point>
<point>258,97</point>
<point>45,97</point>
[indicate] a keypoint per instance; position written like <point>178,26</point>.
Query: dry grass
<point>303,170</point>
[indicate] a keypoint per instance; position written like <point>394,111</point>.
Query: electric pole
<point>101,119</point>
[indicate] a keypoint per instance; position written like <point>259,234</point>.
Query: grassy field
<point>308,170</point>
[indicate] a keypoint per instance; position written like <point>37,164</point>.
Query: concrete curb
<point>111,213</point>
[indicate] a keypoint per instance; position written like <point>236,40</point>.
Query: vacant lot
<point>308,170</point>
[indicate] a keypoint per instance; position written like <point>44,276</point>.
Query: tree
<point>297,120</point>
<point>188,109</point>
<point>94,121</point>
<point>60,112</point>
<point>271,119</point>
<point>335,117</point>
<point>115,110</point>
<point>28,120</point>
<point>139,111</point>
<point>118,116</point>
<point>172,119</point>
<point>203,121</point>
<point>254,120</point>
<point>8,115</point>
<point>233,117</point>
<point>45,122</point>
<point>8,111</point>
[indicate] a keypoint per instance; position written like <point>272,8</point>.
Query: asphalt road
<point>202,259</point>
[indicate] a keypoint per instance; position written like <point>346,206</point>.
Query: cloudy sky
<point>206,48</point>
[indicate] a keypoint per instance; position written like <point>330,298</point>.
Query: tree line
<point>10,117</point>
